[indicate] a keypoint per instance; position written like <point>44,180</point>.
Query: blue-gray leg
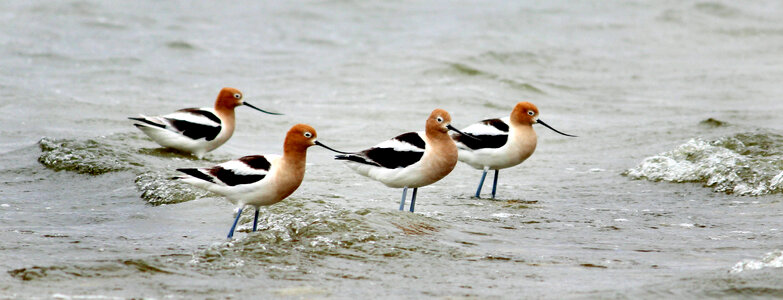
<point>481,183</point>
<point>231,233</point>
<point>413,198</point>
<point>402,202</point>
<point>495,183</point>
<point>255,220</point>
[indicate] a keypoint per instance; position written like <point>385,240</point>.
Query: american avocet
<point>410,160</point>
<point>258,180</point>
<point>196,130</point>
<point>501,143</point>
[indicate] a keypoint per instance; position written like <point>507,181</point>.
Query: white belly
<point>521,145</point>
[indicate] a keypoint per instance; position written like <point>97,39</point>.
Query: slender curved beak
<point>462,133</point>
<point>261,110</point>
<point>327,147</point>
<point>555,130</point>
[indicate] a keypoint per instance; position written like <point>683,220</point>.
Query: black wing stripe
<point>258,162</point>
<point>411,138</point>
<point>231,179</point>
<point>197,111</point>
<point>485,141</point>
<point>388,157</point>
<point>497,123</point>
<point>194,130</point>
<point>196,173</point>
<point>392,159</point>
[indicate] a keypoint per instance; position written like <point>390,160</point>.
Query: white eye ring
<point>531,113</point>
<point>308,135</point>
<point>237,95</point>
<point>439,119</point>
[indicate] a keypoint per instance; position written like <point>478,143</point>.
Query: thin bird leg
<point>481,183</point>
<point>231,233</point>
<point>413,198</point>
<point>402,202</point>
<point>255,220</point>
<point>495,183</point>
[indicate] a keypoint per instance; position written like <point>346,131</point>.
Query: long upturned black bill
<point>462,133</point>
<point>322,145</point>
<point>555,130</point>
<point>261,110</point>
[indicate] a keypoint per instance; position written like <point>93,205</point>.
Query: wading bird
<point>496,144</point>
<point>258,180</point>
<point>196,130</point>
<point>410,160</point>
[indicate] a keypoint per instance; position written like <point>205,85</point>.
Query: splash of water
<point>742,164</point>
<point>90,156</point>
<point>293,238</point>
<point>772,259</point>
<point>113,153</point>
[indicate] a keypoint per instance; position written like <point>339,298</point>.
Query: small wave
<point>104,23</point>
<point>717,9</point>
<point>466,69</point>
<point>772,259</point>
<point>742,164</point>
<point>494,65</point>
<point>294,237</point>
<point>158,188</point>
<point>180,45</point>
<point>91,156</point>
<point>114,153</point>
<point>711,122</point>
<point>118,268</point>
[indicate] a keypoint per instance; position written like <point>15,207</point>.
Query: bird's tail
<point>356,158</point>
<point>195,173</point>
<point>146,123</point>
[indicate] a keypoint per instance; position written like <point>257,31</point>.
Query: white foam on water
<point>777,181</point>
<point>772,259</point>
<point>505,215</point>
<point>714,165</point>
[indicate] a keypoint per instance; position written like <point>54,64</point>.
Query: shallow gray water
<point>673,188</point>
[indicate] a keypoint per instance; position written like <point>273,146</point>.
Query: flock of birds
<point>410,160</point>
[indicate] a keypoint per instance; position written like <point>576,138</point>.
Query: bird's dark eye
<point>308,135</point>
<point>439,119</point>
<point>531,113</point>
<point>237,96</point>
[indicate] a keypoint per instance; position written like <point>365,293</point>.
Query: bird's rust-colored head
<point>438,121</point>
<point>228,99</point>
<point>439,124</point>
<point>524,113</point>
<point>300,137</point>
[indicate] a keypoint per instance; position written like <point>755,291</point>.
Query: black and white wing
<point>246,170</point>
<point>194,123</point>
<point>489,133</point>
<point>399,152</point>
